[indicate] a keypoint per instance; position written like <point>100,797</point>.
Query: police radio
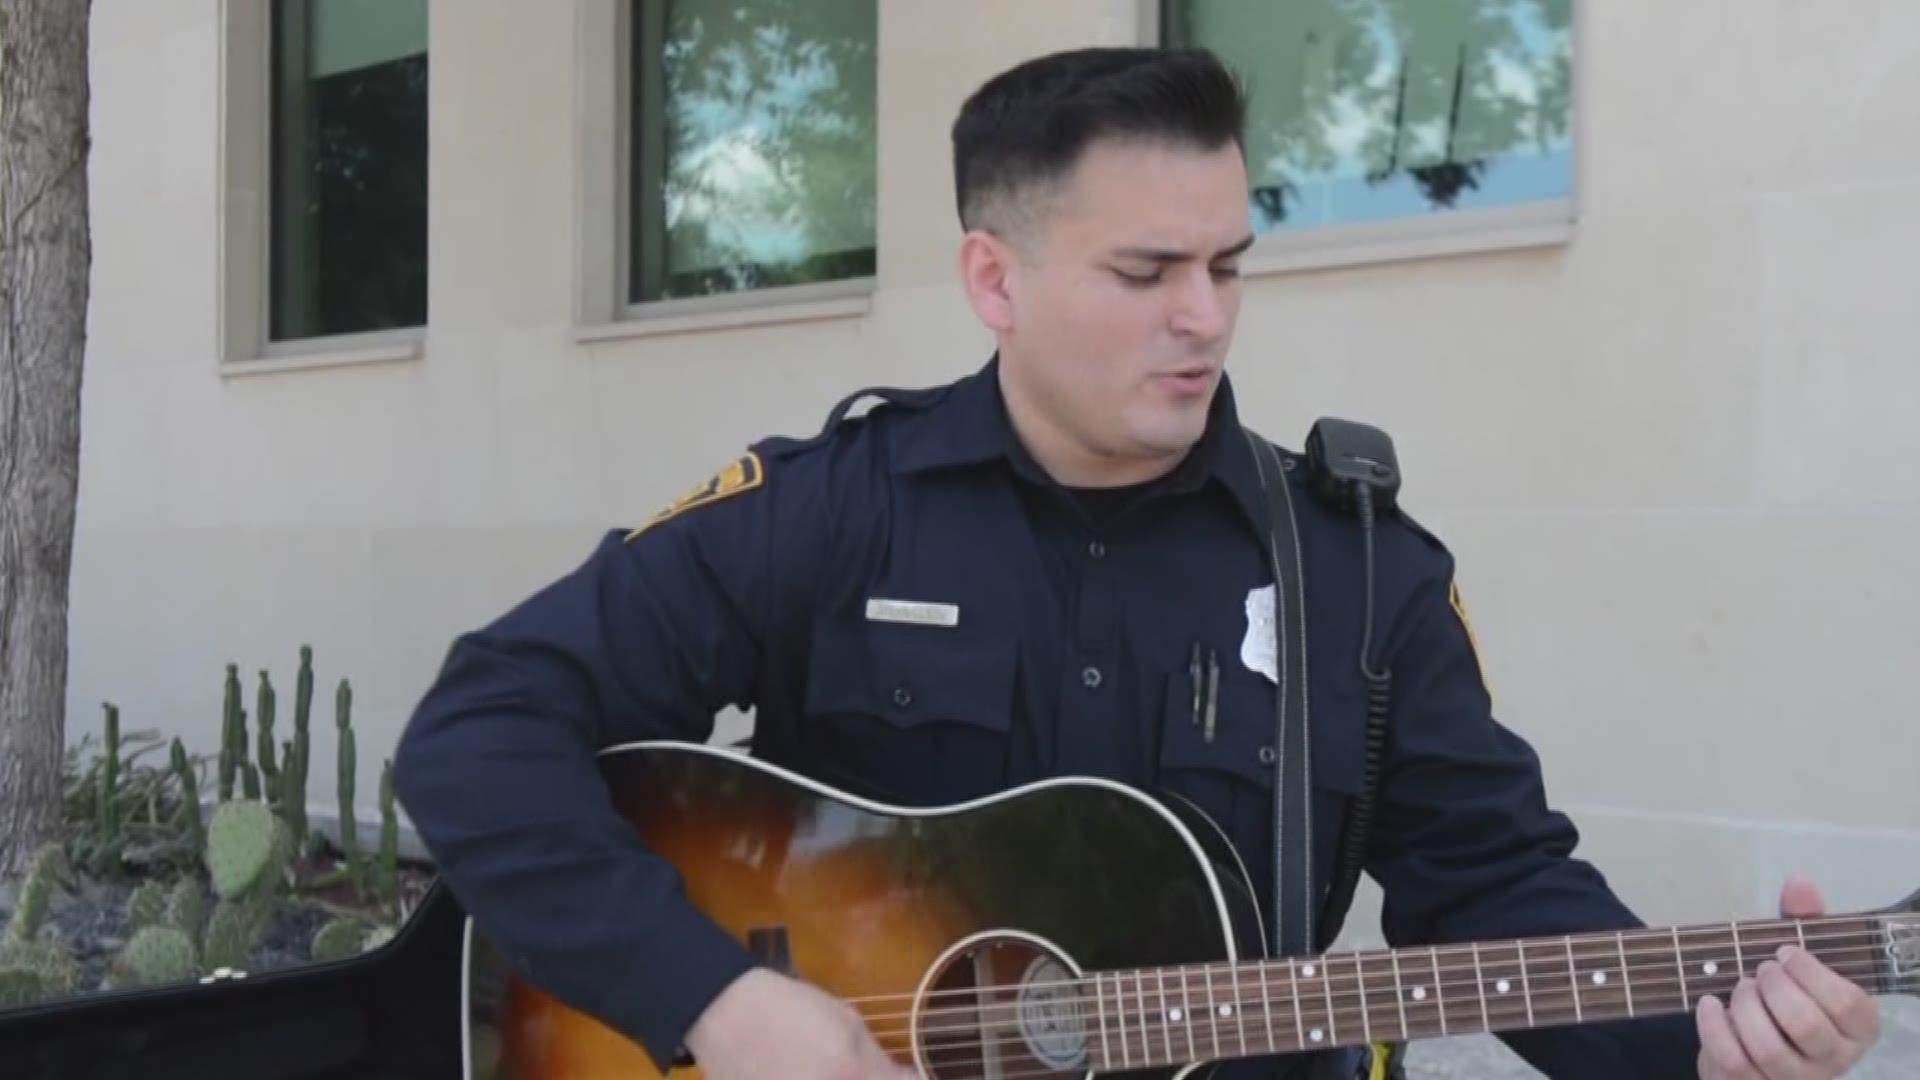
<point>1352,466</point>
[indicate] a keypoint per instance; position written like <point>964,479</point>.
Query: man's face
<point>1122,310</point>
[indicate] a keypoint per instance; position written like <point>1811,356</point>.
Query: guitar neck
<point>1161,1016</point>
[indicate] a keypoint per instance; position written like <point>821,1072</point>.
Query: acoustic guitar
<point>1075,927</point>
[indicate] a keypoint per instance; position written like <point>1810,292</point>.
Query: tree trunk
<point>45,254</point>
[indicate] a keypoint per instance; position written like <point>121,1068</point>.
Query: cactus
<point>229,726</point>
<point>24,927</point>
<point>189,795</point>
<point>340,938</point>
<point>155,956</point>
<point>249,780</point>
<point>388,868</point>
<point>19,986</point>
<point>107,792</point>
<point>247,849</point>
<point>146,907</point>
<point>187,906</point>
<point>269,765</point>
<point>47,960</point>
<point>377,937</point>
<point>349,828</point>
<point>232,932</point>
<point>294,801</point>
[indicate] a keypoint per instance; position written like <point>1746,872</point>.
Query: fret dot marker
<point>1226,1010</point>
<point>1307,971</point>
<point>1419,993</point>
<point>1503,986</point>
<point>1315,1035</point>
<point>1599,978</point>
<point>1173,1015</point>
<point>1710,968</point>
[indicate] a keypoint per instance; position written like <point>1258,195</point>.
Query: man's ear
<point>986,267</point>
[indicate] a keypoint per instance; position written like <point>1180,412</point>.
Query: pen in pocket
<point>1213,692</point>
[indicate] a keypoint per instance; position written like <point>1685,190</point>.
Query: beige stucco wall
<point>1673,455</point>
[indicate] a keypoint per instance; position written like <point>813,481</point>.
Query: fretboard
<point>1156,1017</point>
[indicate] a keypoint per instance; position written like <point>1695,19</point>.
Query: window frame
<point>1538,224</point>
<point>245,220</point>
<point>605,68</point>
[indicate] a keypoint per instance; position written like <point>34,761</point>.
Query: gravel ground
<point>1482,1057</point>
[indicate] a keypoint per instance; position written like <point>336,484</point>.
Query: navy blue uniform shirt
<point>1079,621</point>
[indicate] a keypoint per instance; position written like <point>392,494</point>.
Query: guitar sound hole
<point>1004,1008</point>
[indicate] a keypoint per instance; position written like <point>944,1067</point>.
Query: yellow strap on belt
<point>1380,1062</point>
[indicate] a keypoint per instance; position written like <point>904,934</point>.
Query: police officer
<point>1086,506</point>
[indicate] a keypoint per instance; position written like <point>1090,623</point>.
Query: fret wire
<point>1266,1000</point>
<point>1293,980</point>
<point>1626,979</point>
<point>1800,928</point>
<point>1480,985</point>
<point>1213,1010</point>
<point>1140,989</point>
<point>1326,988</point>
<point>1186,1011</point>
<point>1737,957</point>
<point>1100,1005</point>
<point>1526,983</point>
<point>1439,992</point>
<point>1366,1020</point>
<point>1573,980</point>
<point>1400,998</point>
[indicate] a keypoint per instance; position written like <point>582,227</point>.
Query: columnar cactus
<point>230,733</point>
<point>107,793</point>
<point>189,794</point>
<point>294,803</point>
<point>349,828</point>
<point>269,766</point>
<point>388,869</point>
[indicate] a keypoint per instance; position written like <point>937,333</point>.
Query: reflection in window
<point>1364,110</point>
<point>349,228</point>
<point>753,159</point>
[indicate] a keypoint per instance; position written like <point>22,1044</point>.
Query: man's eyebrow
<point>1155,254</point>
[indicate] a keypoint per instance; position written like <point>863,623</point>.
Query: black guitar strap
<point>1293,889</point>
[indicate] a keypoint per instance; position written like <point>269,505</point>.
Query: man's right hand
<point>765,1024</point>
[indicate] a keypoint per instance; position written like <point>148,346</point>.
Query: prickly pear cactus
<point>187,906</point>
<point>147,906</point>
<point>19,986</point>
<point>25,924</point>
<point>340,938</point>
<point>155,956</point>
<point>47,959</point>
<point>247,847</point>
<point>377,937</point>
<point>234,929</point>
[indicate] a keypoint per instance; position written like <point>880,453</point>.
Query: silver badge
<point>916,612</point>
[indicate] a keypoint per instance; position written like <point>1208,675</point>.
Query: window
<point>752,160</point>
<point>1368,113</point>
<point>348,167</point>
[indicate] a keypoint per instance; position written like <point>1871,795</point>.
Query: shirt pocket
<point>1230,774</point>
<point>912,715</point>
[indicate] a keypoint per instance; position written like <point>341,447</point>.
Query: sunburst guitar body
<point>1077,927</point>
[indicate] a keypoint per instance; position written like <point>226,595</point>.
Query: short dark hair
<point>1028,125</point>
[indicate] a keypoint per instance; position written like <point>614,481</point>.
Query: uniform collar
<point>972,428</point>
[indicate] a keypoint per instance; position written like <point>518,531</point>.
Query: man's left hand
<point>1794,1019</point>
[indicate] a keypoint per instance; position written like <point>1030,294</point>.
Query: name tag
<point>915,612</point>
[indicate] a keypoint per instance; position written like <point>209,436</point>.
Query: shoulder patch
<point>744,473</point>
<point>1459,606</point>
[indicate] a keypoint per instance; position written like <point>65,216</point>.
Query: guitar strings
<point>1343,987</point>
<point>1346,984</point>
<point>1754,937</point>
<point>1164,1053</point>
<point>1133,1006</point>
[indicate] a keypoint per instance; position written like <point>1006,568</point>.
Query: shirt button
<point>1266,755</point>
<point>1090,676</point>
<point>1097,549</point>
<point>902,697</point>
